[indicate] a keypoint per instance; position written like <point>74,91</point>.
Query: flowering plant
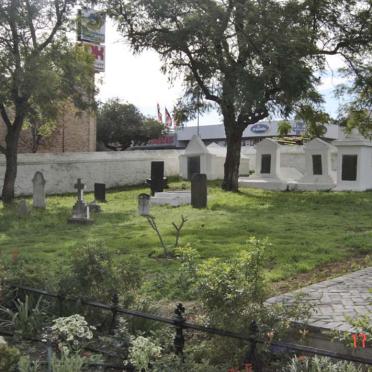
<point>70,333</point>
<point>142,351</point>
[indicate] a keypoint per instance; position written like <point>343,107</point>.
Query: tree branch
<point>5,116</point>
<point>31,25</point>
<point>2,149</point>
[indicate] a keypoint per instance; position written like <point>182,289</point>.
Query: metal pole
<point>197,123</point>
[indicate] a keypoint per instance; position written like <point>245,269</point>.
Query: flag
<point>168,119</point>
<point>160,117</point>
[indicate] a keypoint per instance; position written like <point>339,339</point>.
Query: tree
<point>247,58</point>
<point>284,127</point>
<point>39,68</point>
<point>121,124</point>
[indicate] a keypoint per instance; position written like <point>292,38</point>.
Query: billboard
<point>91,26</point>
<point>98,53</point>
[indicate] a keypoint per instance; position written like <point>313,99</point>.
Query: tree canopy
<point>121,124</point>
<point>39,68</point>
<point>247,58</point>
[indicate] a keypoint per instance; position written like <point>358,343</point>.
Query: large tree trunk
<point>11,141</point>
<point>232,161</point>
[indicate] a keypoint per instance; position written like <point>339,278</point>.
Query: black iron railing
<point>180,324</point>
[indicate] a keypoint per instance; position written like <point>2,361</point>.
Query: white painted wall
<point>112,168</point>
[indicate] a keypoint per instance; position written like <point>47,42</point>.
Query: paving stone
<point>335,298</point>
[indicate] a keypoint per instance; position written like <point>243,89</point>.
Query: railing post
<point>250,360</point>
<point>179,339</point>
<point>49,349</point>
<point>114,310</point>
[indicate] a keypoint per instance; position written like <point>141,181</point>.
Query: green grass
<point>305,229</point>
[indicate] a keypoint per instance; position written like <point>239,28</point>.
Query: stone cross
<point>79,186</point>
<point>38,196</point>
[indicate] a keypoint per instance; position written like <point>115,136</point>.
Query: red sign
<point>98,53</point>
<point>164,140</point>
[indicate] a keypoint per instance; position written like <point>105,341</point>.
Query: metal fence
<point>179,322</point>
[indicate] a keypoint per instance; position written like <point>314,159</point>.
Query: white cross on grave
<point>80,189</point>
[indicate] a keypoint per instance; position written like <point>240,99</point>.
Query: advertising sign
<point>91,26</point>
<point>259,128</point>
<point>98,53</point>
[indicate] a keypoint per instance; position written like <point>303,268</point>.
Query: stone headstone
<point>193,166</point>
<point>38,196</point>
<point>100,192</point>
<point>80,211</point>
<point>199,190</point>
<point>22,209</point>
<point>157,182</point>
<point>143,204</point>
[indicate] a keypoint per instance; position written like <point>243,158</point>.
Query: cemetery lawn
<point>307,230</point>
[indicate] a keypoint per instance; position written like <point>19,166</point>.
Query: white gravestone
<point>198,158</point>
<point>38,196</point>
<point>354,163</point>
<point>267,174</point>
<point>319,174</point>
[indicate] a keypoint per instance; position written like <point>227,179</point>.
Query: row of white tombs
<point>342,165</point>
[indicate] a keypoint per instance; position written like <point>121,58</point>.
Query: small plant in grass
<point>25,364</point>
<point>166,252</point>
<point>26,320</point>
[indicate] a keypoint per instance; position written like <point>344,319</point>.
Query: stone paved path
<point>335,298</point>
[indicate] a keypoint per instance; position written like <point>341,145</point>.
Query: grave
<point>269,175</point>
<point>208,160</point>
<point>354,163</point>
<point>199,191</point>
<point>23,209</point>
<point>319,173</point>
<point>172,198</point>
<point>38,195</point>
<point>80,211</point>
<point>143,204</point>
<point>100,192</point>
<point>157,182</point>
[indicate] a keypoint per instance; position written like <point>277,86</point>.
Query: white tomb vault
<point>269,175</point>
<point>319,173</point>
<point>354,163</point>
<point>210,160</point>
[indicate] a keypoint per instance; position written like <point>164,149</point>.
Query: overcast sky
<point>138,80</point>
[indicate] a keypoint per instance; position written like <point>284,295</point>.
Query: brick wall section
<point>75,132</point>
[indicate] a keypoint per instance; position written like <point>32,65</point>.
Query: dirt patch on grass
<point>320,273</point>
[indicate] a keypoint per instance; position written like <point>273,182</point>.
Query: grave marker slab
<point>157,182</point>
<point>22,209</point>
<point>38,195</point>
<point>143,204</point>
<point>80,211</point>
<point>199,191</point>
<point>100,192</point>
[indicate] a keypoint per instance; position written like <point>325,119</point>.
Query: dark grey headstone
<point>317,165</point>
<point>157,181</point>
<point>199,191</point>
<point>38,194</point>
<point>193,166</point>
<point>349,167</point>
<point>143,204</point>
<point>100,192</point>
<point>266,163</point>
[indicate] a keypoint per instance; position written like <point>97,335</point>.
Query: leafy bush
<point>68,363</point>
<point>142,352</point>
<point>71,333</point>
<point>320,364</point>
<point>94,273</point>
<point>9,357</point>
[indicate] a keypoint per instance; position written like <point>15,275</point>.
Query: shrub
<point>9,357</point>
<point>143,351</point>
<point>71,333</point>
<point>95,274</point>
<point>320,364</point>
